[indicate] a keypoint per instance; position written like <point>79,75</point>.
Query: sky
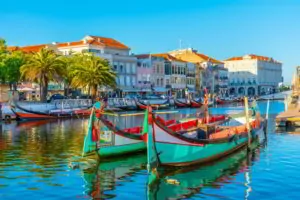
<point>218,28</point>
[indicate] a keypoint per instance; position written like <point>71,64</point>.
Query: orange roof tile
<point>207,58</point>
<point>34,48</point>
<point>254,57</point>
<point>168,57</point>
<point>108,42</point>
<point>27,49</point>
<point>143,56</point>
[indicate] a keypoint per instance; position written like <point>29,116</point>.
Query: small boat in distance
<point>180,104</point>
<point>195,103</point>
<point>65,108</point>
<point>142,106</point>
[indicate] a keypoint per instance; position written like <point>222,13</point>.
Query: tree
<point>42,67</point>
<point>92,71</point>
<point>3,53</point>
<point>12,63</point>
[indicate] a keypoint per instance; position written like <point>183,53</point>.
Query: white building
<point>253,75</point>
<point>114,51</point>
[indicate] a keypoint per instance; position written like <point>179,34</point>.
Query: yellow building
<point>214,80</point>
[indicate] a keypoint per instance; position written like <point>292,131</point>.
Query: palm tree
<point>42,67</point>
<point>69,62</point>
<point>92,71</point>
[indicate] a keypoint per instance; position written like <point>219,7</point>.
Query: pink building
<point>150,71</point>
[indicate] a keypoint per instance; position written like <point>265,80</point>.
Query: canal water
<point>36,162</point>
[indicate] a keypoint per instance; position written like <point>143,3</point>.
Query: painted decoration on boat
<point>106,136</point>
<point>91,138</point>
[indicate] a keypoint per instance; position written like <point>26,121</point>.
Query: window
<point>128,80</point>
<point>121,77</point>
<point>133,80</point>
<point>139,77</point>
<point>167,82</point>
<point>161,81</point>
<point>115,66</point>
<point>157,69</point>
<point>122,68</point>
<point>128,70</point>
<point>133,68</point>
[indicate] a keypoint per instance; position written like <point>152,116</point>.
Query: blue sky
<point>218,28</point>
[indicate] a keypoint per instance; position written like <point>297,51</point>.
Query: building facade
<point>150,71</point>
<point>114,51</point>
<point>208,70</point>
<point>253,75</point>
<point>175,74</point>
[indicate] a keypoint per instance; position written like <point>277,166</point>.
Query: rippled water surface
<point>37,162</point>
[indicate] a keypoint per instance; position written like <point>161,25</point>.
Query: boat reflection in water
<point>185,182</point>
<point>108,179</point>
<point>108,175</point>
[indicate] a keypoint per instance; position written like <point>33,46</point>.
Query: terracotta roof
<point>28,49</point>
<point>143,56</point>
<point>253,56</point>
<point>108,42</point>
<point>13,48</point>
<point>168,57</point>
<point>67,44</point>
<point>207,58</point>
<point>94,40</point>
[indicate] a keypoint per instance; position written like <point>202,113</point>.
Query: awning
<point>160,89</point>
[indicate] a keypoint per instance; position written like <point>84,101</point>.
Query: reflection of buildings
<point>253,75</point>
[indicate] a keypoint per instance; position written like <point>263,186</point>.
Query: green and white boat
<point>108,140</point>
<point>168,148</point>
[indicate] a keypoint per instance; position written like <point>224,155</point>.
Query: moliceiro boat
<point>108,140</point>
<point>58,109</point>
<point>143,106</point>
<point>180,104</point>
<point>205,144</point>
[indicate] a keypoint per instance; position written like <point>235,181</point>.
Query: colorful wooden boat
<point>205,144</point>
<point>108,140</point>
<point>26,114</point>
<point>195,104</point>
<point>143,106</point>
<point>180,104</point>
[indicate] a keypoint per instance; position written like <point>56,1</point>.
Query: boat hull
<point>118,145</point>
<point>175,152</point>
<point>180,104</point>
<point>142,106</point>
<point>195,104</point>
